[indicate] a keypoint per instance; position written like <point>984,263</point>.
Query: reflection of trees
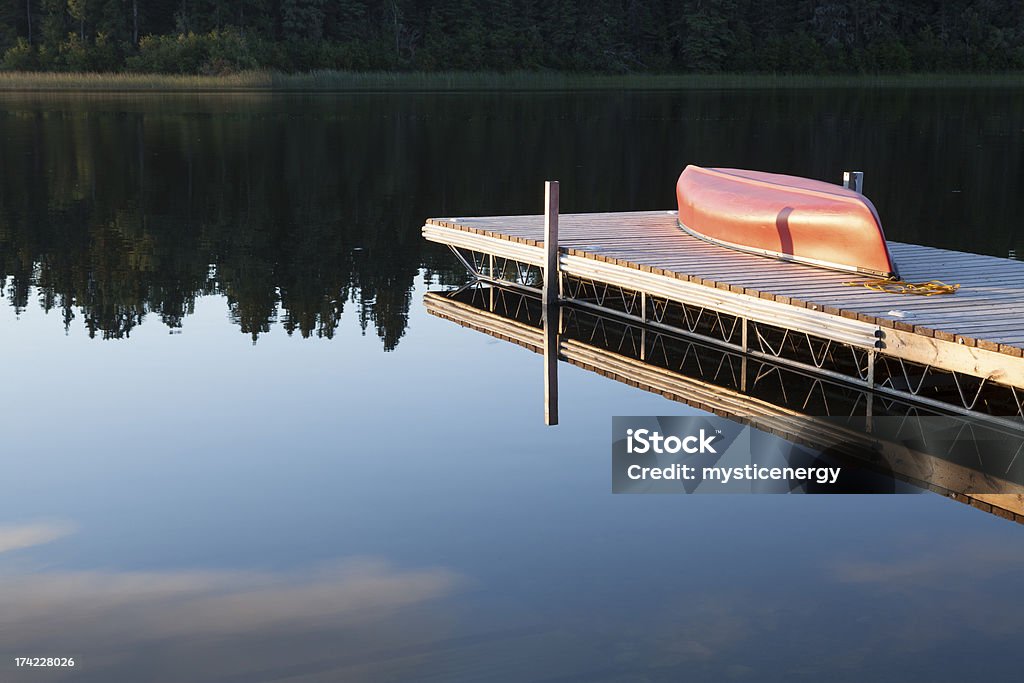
<point>293,207</point>
<point>113,215</point>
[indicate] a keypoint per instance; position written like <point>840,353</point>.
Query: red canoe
<point>784,217</point>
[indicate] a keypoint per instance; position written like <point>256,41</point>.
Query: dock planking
<point>987,312</point>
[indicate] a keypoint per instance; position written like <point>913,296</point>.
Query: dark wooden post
<point>551,313</point>
<point>551,276</point>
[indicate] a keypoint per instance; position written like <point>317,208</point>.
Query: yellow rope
<point>930,288</point>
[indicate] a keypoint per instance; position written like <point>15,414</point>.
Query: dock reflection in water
<point>973,458</point>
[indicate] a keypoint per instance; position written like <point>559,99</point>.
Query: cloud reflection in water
<point>345,620</point>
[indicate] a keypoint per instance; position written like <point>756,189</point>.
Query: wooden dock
<point>963,349</point>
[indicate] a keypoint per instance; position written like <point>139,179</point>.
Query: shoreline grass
<point>346,81</point>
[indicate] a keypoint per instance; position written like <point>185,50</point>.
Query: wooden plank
<point>946,354</point>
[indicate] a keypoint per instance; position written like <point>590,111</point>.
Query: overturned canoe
<point>784,217</point>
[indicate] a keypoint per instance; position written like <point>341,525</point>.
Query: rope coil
<point>930,288</point>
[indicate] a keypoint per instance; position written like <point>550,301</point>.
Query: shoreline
<point>345,81</point>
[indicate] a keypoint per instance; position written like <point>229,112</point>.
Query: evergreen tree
<point>302,19</point>
<point>600,35</point>
<point>705,35</point>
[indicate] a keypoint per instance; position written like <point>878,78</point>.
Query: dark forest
<point>606,36</point>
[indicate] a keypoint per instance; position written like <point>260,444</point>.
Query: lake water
<point>236,448</point>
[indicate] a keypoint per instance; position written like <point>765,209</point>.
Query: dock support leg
<point>869,409</point>
<point>869,413</point>
<point>551,294</point>
<point>490,272</point>
<point>743,358</point>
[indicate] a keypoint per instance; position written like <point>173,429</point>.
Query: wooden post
<point>551,242</point>
<point>551,313</point>
<point>854,180</point>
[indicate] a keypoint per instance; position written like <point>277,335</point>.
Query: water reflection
<point>333,620</point>
<point>294,209</point>
<point>114,215</point>
<point>17,537</point>
<point>192,508</point>
<point>973,457</point>
<point>368,620</point>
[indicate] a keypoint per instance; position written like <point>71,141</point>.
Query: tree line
<point>618,36</point>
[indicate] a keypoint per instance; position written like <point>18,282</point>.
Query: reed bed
<point>347,81</point>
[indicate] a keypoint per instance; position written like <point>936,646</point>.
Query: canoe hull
<point>784,217</point>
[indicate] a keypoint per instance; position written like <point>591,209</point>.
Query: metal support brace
<point>469,267</point>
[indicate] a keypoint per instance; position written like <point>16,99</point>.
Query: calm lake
<point>237,448</point>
